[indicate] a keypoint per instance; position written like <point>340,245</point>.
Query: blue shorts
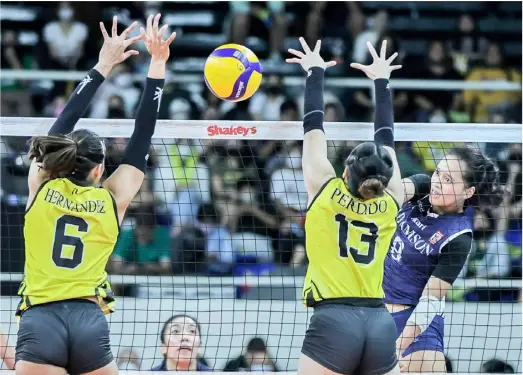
<point>431,339</point>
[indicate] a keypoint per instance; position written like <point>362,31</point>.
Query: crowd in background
<point>230,207</point>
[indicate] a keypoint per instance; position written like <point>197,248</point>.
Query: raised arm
<point>379,71</point>
<point>126,181</point>
<point>317,169</point>
<point>112,53</point>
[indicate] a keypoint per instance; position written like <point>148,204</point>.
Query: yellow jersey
<point>347,240</point>
<point>70,231</point>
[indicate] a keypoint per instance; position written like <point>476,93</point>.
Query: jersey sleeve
<point>421,185</point>
<point>453,257</point>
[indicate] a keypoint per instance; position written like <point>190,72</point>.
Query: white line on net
<point>277,130</point>
<point>253,281</point>
<point>131,372</point>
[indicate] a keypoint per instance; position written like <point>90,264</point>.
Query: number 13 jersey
<point>70,232</point>
<point>347,240</point>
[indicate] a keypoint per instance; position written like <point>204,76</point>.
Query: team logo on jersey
<point>436,237</point>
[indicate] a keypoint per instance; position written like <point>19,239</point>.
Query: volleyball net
<point>217,232</point>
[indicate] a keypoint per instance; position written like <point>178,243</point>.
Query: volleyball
<point>233,72</point>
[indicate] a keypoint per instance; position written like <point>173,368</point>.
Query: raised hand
<point>153,39</point>
<point>113,50</point>
<point>309,59</point>
<point>380,67</point>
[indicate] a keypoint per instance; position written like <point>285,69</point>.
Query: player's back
<point>347,240</point>
<point>70,231</point>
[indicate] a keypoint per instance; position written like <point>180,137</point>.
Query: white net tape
<point>473,333</point>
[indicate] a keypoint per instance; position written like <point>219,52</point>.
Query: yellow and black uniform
<point>347,240</point>
<point>70,232</point>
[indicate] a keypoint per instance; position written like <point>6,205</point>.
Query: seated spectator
<point>266,103</point>
<point>119,85</point>
<point>181,345</point>
<point>244,13</point>
<point>379,26</point>
<point>219,246</point>
<point>15,98</point>
<point>65,40</point>
<point>144,248</point>
<point>256,358</point>
<point>495,366</point>
<point>469,46</point>
<point>493,68</point>
<point>437,67</point>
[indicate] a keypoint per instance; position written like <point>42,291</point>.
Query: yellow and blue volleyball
<point>233,72</point>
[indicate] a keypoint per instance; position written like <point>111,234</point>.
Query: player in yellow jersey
<point>349,226</point>
<point>71,224</point>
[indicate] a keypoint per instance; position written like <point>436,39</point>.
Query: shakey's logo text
<point>215,130</point>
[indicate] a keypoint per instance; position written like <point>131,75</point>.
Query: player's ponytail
<point>483,174</point>
<point>371,188</point>
<point>57,153</point>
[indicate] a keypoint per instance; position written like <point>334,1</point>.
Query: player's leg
<point>379,354</point>
<point>425,354</point>
<point>89,342</point>
<point>333,342</point>
<point>41,347</point>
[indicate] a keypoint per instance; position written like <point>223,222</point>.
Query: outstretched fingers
<point>383,52</point>
<point>114,29</point>
<point>391,59</point>
<point>304,45</point>
<point>296,53</point>
<point>372,51</point>
<point>171,38</point>
<point>104,31</point>
<point>127,31</point>
<point>396,67</point>
<point>330,64</point>
<point>358,66</point>
<point>293,61</point>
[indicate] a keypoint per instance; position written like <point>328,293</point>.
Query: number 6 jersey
<point>347,240</point>
<point>70,232</point>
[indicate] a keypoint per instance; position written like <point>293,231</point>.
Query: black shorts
<point>352,340</point>
<point>71,334</point>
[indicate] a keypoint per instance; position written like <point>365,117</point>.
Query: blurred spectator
<point>181,180</point>
<point>493,68</point>
<point>345,21</point>
<point>495,366</point>
<point>144,248</point>
<point>256,359</point>
<point>265,104</point>
<point>181,341</point>
<point>431,103</point>
<point>287,186</point>
<point>119,84</point>
<point>467,47</point>
<point>219,247</point>
<point>15,99</point>
<point>65,40</point>
<point>379,26</point>
<point>128,359</point>
<point>273,17</point>
<point>116,108</point>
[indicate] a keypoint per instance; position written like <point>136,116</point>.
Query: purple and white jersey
<point>415,248</point>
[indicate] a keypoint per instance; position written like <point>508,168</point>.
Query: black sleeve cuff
<point>384,117</point>
<point>453,257</point>
<point>314,106</point>
<point>421,184</point>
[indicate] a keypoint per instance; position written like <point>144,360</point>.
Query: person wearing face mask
<point>65,39</point>
<point>265,105</point>
<point>180,339</point>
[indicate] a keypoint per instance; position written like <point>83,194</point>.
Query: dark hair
<point>208,214</point>
<point>371,188</point>
<point>288,105</point>
<point>495,366</point>
<point>481,173</point>
<point>72,155</point>
<point>174,317</point>
<point>370,168</point>
<point>256,345</point>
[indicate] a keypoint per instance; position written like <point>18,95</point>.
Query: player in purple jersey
<point>430,248</point>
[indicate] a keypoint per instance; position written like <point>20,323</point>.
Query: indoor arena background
<point>461,64</point>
